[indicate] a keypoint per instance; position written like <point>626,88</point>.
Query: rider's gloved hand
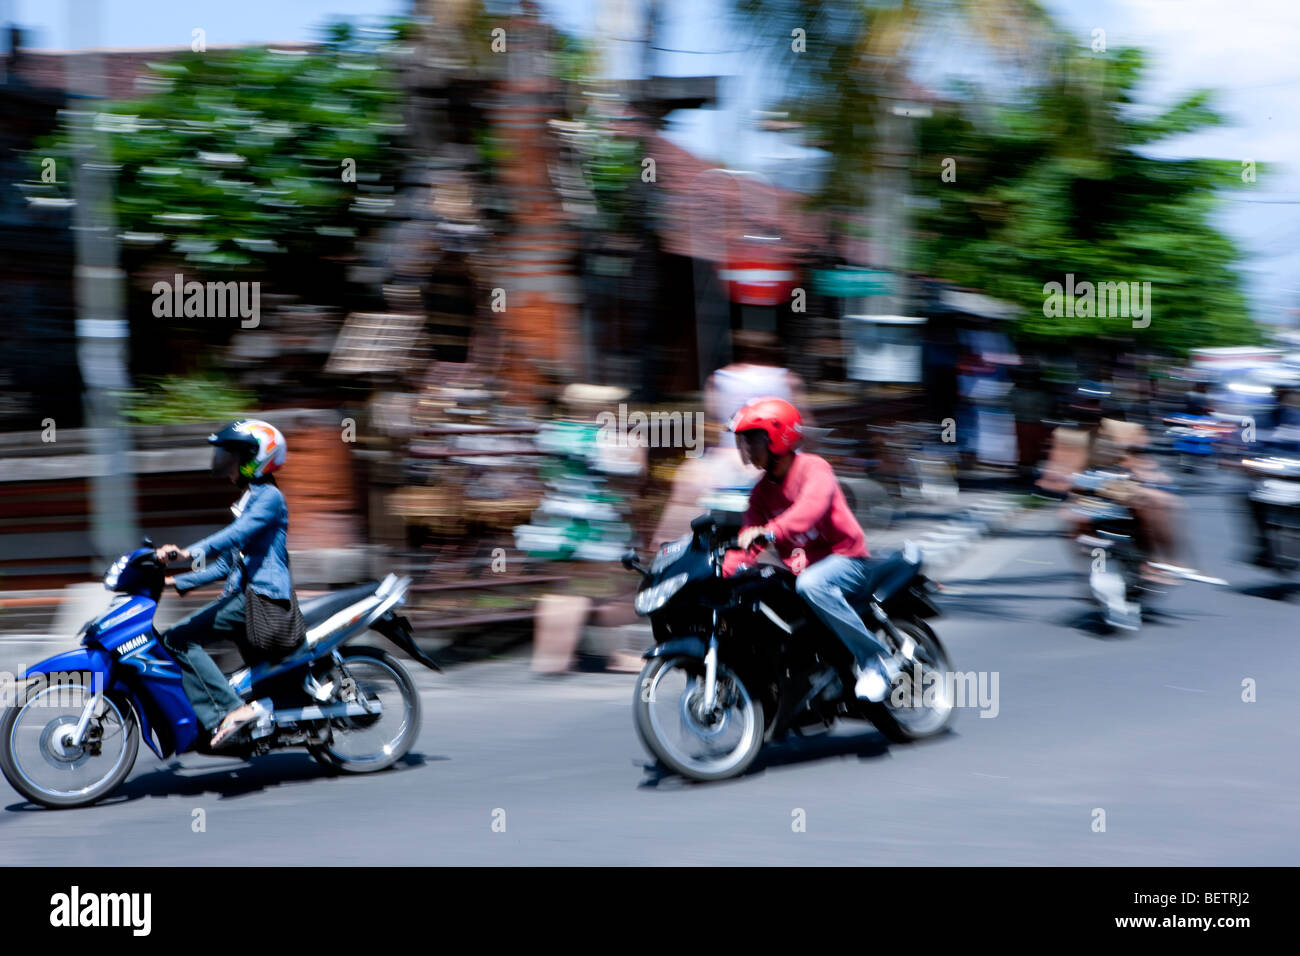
<point>748,536</point>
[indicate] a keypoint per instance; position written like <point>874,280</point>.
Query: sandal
<point>232,724</point>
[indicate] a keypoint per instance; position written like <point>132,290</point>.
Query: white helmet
<point>260,446</point>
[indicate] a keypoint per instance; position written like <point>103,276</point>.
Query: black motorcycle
<point>741,659</point>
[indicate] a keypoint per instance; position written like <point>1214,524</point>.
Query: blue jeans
<point>207,688</point>
<point>824,586</point>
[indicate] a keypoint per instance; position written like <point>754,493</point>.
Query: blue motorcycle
<point>73,732</point>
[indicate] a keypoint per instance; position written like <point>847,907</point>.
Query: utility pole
<point>890,187</point>
<point>653,17</point>
<point>103,335</point>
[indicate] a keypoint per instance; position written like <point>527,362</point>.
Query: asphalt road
<point>1149,728</point>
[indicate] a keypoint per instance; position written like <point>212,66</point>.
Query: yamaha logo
<point>132,644</point>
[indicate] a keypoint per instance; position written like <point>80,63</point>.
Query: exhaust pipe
<point>328,711</point>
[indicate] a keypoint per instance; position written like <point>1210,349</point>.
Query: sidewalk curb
<point>983,517</point>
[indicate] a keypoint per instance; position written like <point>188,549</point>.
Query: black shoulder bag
<point>274,627</point>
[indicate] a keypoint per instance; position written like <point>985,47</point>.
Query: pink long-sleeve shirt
<point>806,510</point>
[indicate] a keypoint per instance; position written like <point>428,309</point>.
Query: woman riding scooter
<point>257,609</point>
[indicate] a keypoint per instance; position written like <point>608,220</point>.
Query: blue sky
<point>1247,51</point>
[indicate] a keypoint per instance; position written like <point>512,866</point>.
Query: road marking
<point>1190,690</point>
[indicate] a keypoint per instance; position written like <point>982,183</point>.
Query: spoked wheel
<point>922,701</point>
<point>370,742</point>
<point>38,757</point>
<point>669,713</point>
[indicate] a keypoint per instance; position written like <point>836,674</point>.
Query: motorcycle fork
<point>711,669</point>
<point>92,707</point>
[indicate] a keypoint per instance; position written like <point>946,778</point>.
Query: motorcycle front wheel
<point>39,760</point>
<point>668,712</point>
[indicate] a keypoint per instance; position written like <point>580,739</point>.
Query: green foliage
<point>1057,185</point>
<point>237,162</point>
<point>1051,178</point>
<point>854,66</point>
<point>491,151</point>
<point>823,87</point>
<point>611,160</point>
<point>613,168</point>
<point>174,400</point>
<point>575,61</point>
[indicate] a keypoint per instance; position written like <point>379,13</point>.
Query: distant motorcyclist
<point>1282,442</point>
<point>798,505</point>
<point>251,553</point>
<point>1103,439</point>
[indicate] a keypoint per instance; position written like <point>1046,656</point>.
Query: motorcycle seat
<point>317,609</point>
<point>895,573</point>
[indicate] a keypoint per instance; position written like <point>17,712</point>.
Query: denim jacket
<point>253,547</point>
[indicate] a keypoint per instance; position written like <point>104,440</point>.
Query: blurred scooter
<point>1274,502</point>
<point>1111,537</point>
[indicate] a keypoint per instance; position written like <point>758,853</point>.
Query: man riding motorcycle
<point>257,607</point>
<point>799,507</point>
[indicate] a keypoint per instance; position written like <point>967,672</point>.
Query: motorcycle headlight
<point>653,598</point>
<point>114,572</point>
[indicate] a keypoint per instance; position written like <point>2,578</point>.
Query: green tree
<point>1051,172</point>
<point>253,160</point>
<point>1061,183</point>
<point>851,60</point>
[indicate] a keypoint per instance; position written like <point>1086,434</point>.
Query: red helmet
<point>777,417</point>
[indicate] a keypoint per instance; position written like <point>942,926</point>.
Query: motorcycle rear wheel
<point>367,745</point>
<point>905,723</point>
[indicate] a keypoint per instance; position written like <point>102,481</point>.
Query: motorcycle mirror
<point>630,560</point>
<point>703,523</point>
